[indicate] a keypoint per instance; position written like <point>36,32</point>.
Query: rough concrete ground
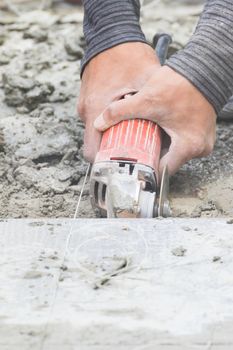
<point>41,163</point>
<point>159,285</point>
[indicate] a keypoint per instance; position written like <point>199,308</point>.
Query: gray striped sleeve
<point>207,60</point>
<point>108,23</point>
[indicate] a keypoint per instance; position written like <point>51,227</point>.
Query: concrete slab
<point>154,284</point>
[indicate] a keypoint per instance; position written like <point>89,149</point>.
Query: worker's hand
<point>170,100</point>
<point>108,77</point>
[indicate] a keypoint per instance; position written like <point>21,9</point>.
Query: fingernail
<point>100,123</point>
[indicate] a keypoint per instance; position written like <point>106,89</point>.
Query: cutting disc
<point>164,206</point>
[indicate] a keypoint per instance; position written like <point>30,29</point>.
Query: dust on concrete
<point>41,138</point>
<point>128,308</point>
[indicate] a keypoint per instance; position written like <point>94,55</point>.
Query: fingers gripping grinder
<point>125,175</point>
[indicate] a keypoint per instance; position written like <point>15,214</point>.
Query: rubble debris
<point>186,228</point>
<point>73,48</point>
<point>179,251</point>
<point>216,258</point>
<point>33,274</point>
<point>1,141</point>
<point>36,33</point>
<point>21,91</point>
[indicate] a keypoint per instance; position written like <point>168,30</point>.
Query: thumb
<point>128,108</point>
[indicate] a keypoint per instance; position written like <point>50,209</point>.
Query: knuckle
<point>209,147</point>
<point>149,95</point>
<point>196,146</point>
<point>110,114</point>
<point>201,146</point>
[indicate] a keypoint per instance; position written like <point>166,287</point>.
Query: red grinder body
<point>132,141</point>
<point>125,175</point>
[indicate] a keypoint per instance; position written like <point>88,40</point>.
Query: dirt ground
<point>41,162</point>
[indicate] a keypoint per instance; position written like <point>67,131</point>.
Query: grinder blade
<point>164,209</point>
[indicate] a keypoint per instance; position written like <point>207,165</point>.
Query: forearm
<point>207,60</point>
<point>108,23</point>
